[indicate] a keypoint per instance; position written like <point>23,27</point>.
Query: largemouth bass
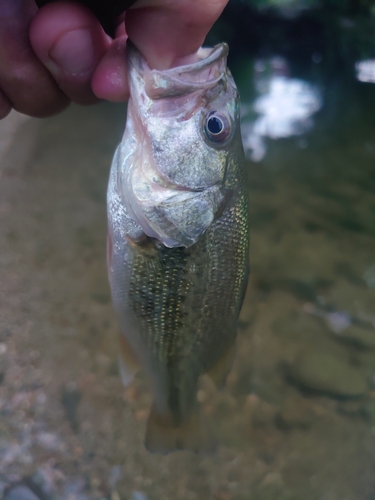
<point>178,237</point>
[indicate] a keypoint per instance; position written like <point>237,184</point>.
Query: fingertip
<point>110,80</point>
<point>5,106</point>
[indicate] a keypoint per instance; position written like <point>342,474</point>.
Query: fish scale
<point>178,255</point>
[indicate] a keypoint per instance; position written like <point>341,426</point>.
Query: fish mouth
<point>203,74</point>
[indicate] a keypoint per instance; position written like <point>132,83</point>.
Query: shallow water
<point>297,417</point>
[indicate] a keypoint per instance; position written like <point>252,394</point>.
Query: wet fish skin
<point>178,237</point>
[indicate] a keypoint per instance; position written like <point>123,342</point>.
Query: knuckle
<point>34,95</point>
<point>42,108</point>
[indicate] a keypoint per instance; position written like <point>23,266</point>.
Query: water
<point>297,418</point>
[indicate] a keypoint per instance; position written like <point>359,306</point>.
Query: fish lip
<point>181,80</point>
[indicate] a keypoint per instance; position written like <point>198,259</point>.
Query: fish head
<point>186,118</point>
<point>184,125</point>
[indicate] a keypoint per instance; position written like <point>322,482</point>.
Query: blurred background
<point>296,420</point>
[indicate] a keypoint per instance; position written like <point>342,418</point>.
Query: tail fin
<point>163,436</point>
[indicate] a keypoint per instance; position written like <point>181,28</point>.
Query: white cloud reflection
<point>284,107</point>
<point>365,71</point>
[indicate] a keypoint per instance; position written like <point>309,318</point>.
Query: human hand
<point>60,53</point>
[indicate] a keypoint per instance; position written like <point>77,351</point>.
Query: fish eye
<point>217,127</point>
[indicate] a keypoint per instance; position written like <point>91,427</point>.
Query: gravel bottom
<point>297,417</point>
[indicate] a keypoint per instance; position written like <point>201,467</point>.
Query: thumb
<point>70,42</point>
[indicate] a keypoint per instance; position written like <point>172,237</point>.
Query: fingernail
<point>74,52</point>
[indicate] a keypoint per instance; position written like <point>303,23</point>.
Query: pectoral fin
<point>163,436</point>
<point>128,362</point>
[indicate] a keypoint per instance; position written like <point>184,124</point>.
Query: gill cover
<point>176,147</point>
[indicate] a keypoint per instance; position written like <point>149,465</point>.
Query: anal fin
<point>128,362</point>
<point>220,370</point>
<point>163,436</point>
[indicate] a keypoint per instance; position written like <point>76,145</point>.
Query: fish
<point>178,238</point>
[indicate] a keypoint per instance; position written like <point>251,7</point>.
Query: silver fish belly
<point>178,236</point>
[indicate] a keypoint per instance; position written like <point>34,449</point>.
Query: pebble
<point>369,276</point>
<point>139,495</point>
<point>368,410</point>
<point>327,373</point>
<point>74,487</point>
<point>21,493</point>
<point>115,476</point>
<point>262,413</point>
<point>294,414</point>
<point>49,441</point>
<point>362,337</point>
<point>70,399</point>
<point>350,408</point>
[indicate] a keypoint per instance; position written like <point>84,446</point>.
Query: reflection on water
<point>365,70</point>
<point>297,417</point>
<point>284,107</point>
